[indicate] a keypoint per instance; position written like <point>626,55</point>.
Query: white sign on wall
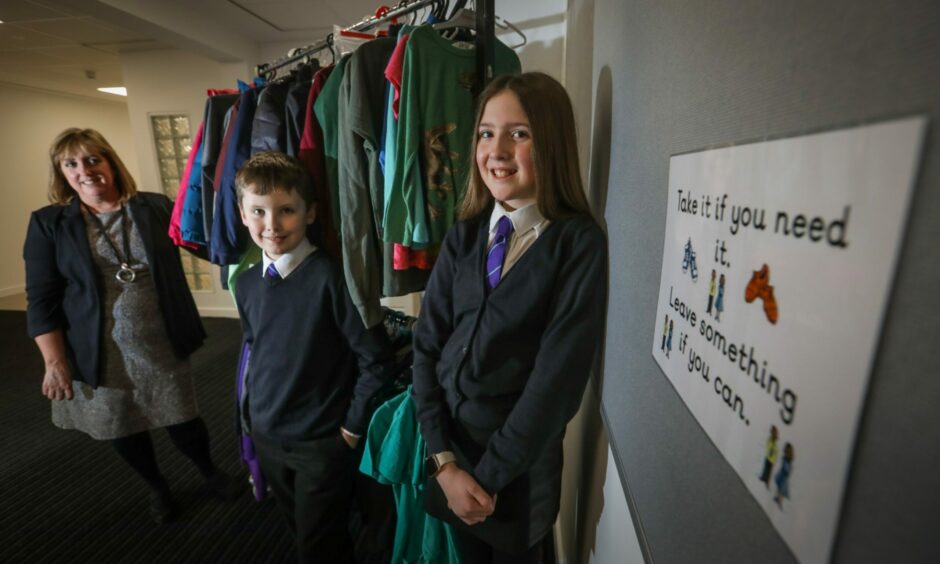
<point>777,265</point>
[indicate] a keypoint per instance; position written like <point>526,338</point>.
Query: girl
<point>720,300</point>
<point>511,323</point>
<point>782,479</point>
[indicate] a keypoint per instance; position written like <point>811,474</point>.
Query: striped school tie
<point>272,274</point>
<point>497,252</point>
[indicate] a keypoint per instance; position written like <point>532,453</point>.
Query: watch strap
<point>440,459</point>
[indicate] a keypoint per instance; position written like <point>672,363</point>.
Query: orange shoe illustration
<point>770,304</point>
<point>758,282</point>
<point>759,287</point>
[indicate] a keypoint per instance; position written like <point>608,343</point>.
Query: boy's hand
<point>351,440</point>
<point>465,497</point>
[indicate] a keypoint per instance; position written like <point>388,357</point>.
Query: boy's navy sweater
<point>306,337</point>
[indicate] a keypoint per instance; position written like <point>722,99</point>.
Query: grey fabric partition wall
<point>673,76</point>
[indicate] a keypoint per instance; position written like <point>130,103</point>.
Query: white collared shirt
<point>289,261</point>
<point>527,224</point>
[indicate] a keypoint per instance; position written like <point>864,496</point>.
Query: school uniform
<point>313,368</point>
<point>498,374</point>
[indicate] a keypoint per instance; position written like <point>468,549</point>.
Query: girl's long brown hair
<point>559,191</point>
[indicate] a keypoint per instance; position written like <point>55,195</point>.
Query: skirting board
<point>229,312</point>
<point>560,556</point>
<point>12,290</point>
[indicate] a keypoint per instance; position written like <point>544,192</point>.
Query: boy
<point>306,404</point>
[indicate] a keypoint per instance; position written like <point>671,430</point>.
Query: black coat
<point>498,376</point>
<point>63,285</point>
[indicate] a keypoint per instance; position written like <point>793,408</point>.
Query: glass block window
<point>172,140</point>
<point>171,137</point>
<point>198,273</point>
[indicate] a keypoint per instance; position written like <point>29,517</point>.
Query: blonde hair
<point>70,142</point>
<point>559,191</point>
<point>271,171</point>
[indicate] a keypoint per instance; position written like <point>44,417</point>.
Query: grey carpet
<point>67,498</point>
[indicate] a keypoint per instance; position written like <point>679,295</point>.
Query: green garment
<point>394,454</point>
<point>391,143</point>
<point>435,132</point>
<point>250,257</point>
<point>326,108</point>
<point>368,261</point>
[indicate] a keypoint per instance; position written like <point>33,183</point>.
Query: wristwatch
<point>435,462</point>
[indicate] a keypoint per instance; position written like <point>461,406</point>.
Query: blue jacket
<point>229,237</point>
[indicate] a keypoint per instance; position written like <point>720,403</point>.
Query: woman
<point>110,310</point>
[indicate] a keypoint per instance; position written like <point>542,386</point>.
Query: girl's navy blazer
<point>63,285</point>
<point>498,375</point>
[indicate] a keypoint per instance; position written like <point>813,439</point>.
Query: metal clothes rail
<point>485,38</point>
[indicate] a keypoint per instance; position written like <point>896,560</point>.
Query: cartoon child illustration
<point>665,333</point>
<point>688,261</point>
<point>669,340</point>
<point>770,456</point>
<point>783,476</point>
<point>720,300</point>
<point>711,293</point>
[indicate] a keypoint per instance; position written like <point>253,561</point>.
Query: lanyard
<point>124,274</point>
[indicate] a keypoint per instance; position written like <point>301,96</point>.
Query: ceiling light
<point>118,90</point>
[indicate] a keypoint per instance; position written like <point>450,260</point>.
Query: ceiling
<point>74,46</point>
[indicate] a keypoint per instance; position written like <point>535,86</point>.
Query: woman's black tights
<point>191,438</point>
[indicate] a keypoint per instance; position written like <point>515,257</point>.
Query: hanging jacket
<point>191,227</point>
<point>295,108</point>
<point>175,230</point>
<point>268,130</point>
<point>217,107</point>
<point>229,236</point>
<point>313,160</point>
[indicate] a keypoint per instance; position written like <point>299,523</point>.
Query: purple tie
<point>497,252</point>
<point>272,274</point>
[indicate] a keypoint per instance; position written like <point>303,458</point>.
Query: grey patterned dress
<point>143,384</point>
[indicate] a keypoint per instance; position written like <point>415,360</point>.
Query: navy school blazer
<point>63,285</point>
<point>498,375</point>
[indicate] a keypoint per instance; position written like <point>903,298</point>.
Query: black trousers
<point>312,483</point>
<point>474,551</point>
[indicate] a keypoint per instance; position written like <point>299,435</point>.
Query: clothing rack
<point>485,42</point>
<point>485,37</point>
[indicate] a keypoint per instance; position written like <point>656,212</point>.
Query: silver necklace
<point>124,274</point>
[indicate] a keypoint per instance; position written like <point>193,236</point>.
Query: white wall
<point>543,24</point>
<point>171,81</point>
<point>30,120</point>
<point>614,540</point>
<point>605,531</point>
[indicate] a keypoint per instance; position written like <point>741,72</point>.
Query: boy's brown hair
<point>271,171</point>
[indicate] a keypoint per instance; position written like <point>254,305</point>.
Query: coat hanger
<point>465,18</point>
<point>412,15</point>
<point>329,44</point>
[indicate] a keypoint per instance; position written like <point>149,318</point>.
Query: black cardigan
<point>498,376</point>
<point>63,286</point>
